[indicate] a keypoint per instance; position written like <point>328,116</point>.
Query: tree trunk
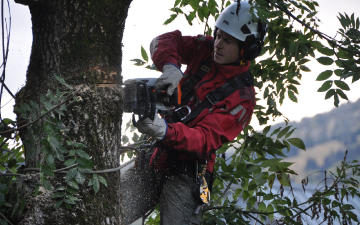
<point>80,41</point>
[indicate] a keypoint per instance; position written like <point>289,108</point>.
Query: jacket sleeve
<point>213,127</point>
<point>174,48</point>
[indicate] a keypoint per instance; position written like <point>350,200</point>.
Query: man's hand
<point>169,79</point>
<point>154,128</point>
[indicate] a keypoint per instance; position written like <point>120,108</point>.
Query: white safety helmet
<point>243,26</point>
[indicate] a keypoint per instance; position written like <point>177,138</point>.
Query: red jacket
<point>213,127</point>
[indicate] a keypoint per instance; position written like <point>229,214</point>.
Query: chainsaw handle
<point>147,102</point>
<point>174,99</point>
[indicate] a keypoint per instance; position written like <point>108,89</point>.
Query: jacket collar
<point>231,70</point>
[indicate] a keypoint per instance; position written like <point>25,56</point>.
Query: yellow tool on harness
<point>204,189</point>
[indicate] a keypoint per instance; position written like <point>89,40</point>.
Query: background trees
<point>71,107</point>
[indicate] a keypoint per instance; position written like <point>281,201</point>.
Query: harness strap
<point>240,81</point>
<point>187,88</point>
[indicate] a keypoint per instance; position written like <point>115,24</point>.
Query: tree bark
<point>80,41</point>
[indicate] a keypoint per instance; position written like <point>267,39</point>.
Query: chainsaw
<point>141,98</point>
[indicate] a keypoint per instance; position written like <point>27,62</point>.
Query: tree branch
<point>3,149</point>
<point>6,219</point>
<point>255,218</point>
<point>321,34</point>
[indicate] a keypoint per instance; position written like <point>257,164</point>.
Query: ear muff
<point>252,48</point>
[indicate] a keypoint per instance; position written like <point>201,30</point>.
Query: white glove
<point>169,79</point>
<point>154,128</point>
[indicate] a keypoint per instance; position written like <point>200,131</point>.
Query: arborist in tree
<point>218,99</point>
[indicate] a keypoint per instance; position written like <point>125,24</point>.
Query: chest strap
<point>220,93</point>
<point>187,89</point>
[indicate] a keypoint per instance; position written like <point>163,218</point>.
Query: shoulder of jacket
<point>207,41</point>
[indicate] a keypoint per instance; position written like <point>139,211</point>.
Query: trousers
<point>177,203</point>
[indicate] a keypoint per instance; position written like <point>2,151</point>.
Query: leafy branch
<point>45,114</point>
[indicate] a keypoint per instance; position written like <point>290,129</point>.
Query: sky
<point>145,21</point>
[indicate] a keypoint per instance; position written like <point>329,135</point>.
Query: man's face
<point>226,49</point>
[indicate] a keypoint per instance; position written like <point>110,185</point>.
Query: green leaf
<point>62,81</point>
<point>58,195</point>
<point>144,54</point>
<point>55,146</point>
<point>330,93</point>
<point>85,163</point>
<point>172,17</point>
<point>72,152</point>
<point>262,207</point>
<point>138,62</point>
<point>72,190</point>
<point>326,51</point>
<point>102,180</point>
<point>283,132</point>
<point>342,94</point>
<point>96,184</point>
<point>287,144</point>
<point>266,129</point>
<point>60,188</point>
<point>50,160</point>
<point>68,206</point>
<point>70,162</point>
<point>324,75</point>
<point>73,184</point>
<point>292,87</point>
<point>270,162</point>
<point>80,178</point>
<point>303,61</point>
<point>338,72</point>
<point>292,96</point>
<point>325,61</point>
<point>275,131</point>
<point>79,145</point>
<point>46,184</point>
<point>270,209</point>
<point>71,174</point>
<point>190,17</point>
<point>326,201</point>
<point>82,154</point>
<point>304,68</point>
<point>290,133</point>
<point>271,180</point>
<point>283,179</point>
<point>70,201</point>
<point>47,171</point>
<point>342,85</point>
<point>297,142</point>
<point>352,215</point>
<point>90,183</point>
<point>58,204</point>
<point>335,204</point>
<point>325,86</point>
<point>124,139</point>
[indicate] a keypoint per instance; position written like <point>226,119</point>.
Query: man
<point>188,142</point>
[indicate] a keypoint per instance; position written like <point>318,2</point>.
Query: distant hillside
<point>326,136</point>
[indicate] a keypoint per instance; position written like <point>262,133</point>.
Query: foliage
<point>144,60</point>
<point>60,154</point>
